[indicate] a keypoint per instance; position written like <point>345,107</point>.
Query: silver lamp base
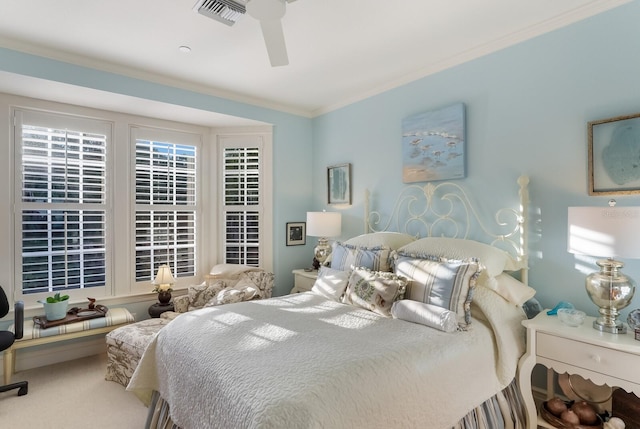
<point>611,291</point>
<point>322,251</point>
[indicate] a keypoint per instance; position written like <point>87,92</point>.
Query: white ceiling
<point>340,51</point>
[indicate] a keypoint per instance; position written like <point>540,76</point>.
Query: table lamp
<point>606,232</point>
<point>323,225</point>
<point>163,281</point>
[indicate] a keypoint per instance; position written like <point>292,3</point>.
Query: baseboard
<point>49,354</point>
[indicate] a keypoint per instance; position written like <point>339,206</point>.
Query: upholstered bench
<point>34,335</point>
<point>126,345</point>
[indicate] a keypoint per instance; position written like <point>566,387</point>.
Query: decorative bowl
<point>634,319</point>
<point>571,316</point>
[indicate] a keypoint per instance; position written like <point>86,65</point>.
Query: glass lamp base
<point>617,328</point>
<point>611,291</point>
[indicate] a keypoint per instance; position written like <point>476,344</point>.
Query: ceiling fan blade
<point>274,40</point>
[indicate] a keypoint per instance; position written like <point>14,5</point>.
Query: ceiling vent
<point>225,11</point>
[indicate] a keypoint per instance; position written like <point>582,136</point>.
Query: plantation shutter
<point>243,203</point>
<point>166,202</point>
<point>62,209</point>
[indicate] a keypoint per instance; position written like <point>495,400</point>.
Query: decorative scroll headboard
<point>445,210</point>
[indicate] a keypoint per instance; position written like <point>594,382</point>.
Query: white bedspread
<point>302,361</point>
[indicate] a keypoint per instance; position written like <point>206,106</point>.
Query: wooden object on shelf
<point>73,315</point>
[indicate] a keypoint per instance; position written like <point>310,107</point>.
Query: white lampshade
<point>324,224</point>
<point>604,231</point>
<point>164,278</point>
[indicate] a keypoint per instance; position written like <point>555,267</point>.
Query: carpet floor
<point>71,395</point>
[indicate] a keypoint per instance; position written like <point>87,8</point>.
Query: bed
<point>398,332</point>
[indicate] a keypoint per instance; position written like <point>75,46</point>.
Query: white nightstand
<point>604,358</point>
<point>303,280</point>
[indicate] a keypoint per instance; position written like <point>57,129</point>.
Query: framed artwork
<point>339,184</point>
<point>614,156</point>
<point>296,233</point>
<point>433,145</point>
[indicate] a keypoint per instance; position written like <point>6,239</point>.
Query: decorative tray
<point>74,315</point>
<point>558,423</point>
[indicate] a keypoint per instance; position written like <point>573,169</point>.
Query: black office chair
<point>7,337</point>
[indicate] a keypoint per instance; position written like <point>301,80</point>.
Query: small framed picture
<point>296,233</point>
<point>614,150</point>
<point>339,184</point>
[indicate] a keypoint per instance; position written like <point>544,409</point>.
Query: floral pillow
<point>446,283</point>
<point>374,290</point>
<point>345,256</point>
<point>201,294</point>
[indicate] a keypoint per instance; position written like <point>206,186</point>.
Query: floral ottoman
<point>125,346</point>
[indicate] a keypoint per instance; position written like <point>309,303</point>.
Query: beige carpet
<point>71,395</point>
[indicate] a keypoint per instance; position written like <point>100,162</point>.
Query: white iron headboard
<point>444,209</point>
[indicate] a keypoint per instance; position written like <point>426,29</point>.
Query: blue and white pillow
<point>345,257</point>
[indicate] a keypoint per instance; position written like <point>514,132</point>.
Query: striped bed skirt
<point>504,410</point>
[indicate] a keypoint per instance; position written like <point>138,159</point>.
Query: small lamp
<point>323,224</point>
<point>609,232</point>
<point>163,281</point>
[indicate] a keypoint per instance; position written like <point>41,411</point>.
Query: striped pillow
<point>447,283</point>
<point>345,257</point>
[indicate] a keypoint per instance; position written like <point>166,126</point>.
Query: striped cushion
<point>447,283</point>
<point>114,317</point>
<point>345,257</point>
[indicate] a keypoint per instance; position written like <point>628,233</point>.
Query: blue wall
<point>527,111</point>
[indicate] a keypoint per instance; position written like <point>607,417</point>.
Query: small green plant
<point>57,298</point>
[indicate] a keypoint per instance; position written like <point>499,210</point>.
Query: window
<point>99,203</point>
<point>166,203</point>
<point>61,202</point>
<point>244,200</point>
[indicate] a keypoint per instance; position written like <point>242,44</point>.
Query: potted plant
<point>55,307</point>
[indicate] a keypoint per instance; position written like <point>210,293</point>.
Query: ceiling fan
<point>268,12</point>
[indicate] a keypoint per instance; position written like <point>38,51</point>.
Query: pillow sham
<point>345,256</point>
<point>374,290</point>
<point>446,283</point>
<point>425,314</point>
<point>511,289</point>
<point>331,283</point>
<point>494,260</point>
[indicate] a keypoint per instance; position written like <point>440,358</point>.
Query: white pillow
<point>509,288</point>
<point>392,240</point>
<point>494,260</point>
<point>230,271</point>
<point>331,283</point>
<point>425,314</point>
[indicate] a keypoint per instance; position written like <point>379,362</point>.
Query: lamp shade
<point>604,231</point>
<point>324,224</point>
<point>164,276</point>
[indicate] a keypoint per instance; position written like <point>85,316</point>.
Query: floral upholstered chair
<point>226,283</point>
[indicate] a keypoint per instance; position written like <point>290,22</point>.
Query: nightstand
<point>603,358</point>
<point>303,280</point>
<point>157,309</point>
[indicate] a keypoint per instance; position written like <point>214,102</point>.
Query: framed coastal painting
<point>339,184</point>
<point>433,145</point>
<point>296,233</point>
<point>614,156</point>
